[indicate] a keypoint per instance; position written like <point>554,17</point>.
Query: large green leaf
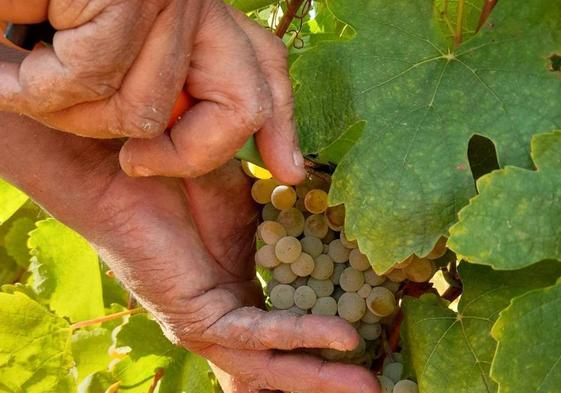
<point>11,199</point>
<point>35,351</point>
<point>150,350</point>
<point>441,343</point>
<point>516,219</point>
<point>16,240</point>
<point>404,182</point>
<point>66,271</point>
<point>528,332</point>
<point>90,351</point>
<point>446,12</point>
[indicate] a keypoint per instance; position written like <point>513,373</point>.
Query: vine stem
<point>107,318</point>
<point>459,23</point>
<point>157,377</point>
<point>485,12</point>
<point>292,8</point>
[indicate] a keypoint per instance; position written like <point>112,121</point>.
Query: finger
<point>252,328</point>
<point>234,102</point>
<point>277,140</point>
<point>229,383</point>
<point>30,11</point>
<point>143,104</point>
<point>292,372</point>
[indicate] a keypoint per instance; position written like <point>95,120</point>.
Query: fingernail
<point>298,159</point>
<point>142,171</point>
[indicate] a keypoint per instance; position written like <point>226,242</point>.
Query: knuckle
<point>141,120</point>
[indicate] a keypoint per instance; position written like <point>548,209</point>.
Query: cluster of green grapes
<point>317,269</point>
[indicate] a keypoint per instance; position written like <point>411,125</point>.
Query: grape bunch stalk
<point>316,268</point>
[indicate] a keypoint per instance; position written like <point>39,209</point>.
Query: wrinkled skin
<point>185,249</point>
<point>117,67</point>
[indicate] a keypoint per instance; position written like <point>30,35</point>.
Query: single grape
<point>303,188</point>
<point>364,291</point>
<point>284,274</point>
<point>370,331</point>
<point>373,279</point>
<point>269,212</point>
<point>346,242</point>
<point>262,189</point>
<point>288,249</point>
<point>351,307</point>
<point>266,257</point>
<point>351,279</point>
<point>337,270</point>
<point>316,201</point>
<point>338,252</point>
<point>292,220</point>
<point>393,371</point>
<point>297,310</point>
<point>396,275</point>
<point>325,306</point>
<point>316,226</point>
<point>283,197</point>
<point>322,288</point>
<point>255,171</point>
<point>392,286</point>
<point>312,245</point>
<point>270,285</point>
<point>381,301</point>
<point>323,267</point>
<point>386,384</point>
<point>282,296</point>
<point>358,260</point>
<point>405,386</point>
<point>439,249</point>
<point>370,318</point>
<point>335,217</point>
<point>303,266</point>
<point>271,232</point>
<point>305,297</point>
<point>420,270</point>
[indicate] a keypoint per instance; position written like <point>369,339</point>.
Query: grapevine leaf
<point>97,382</point>
<point>66,271</point>
<point>9,269</point>
<point>446,12</point>
<point>335,152</point>
<point>514,221</point>
<point>150,350</point>
<point>440,342</point>
<point>528,357</point>
<point>11,199</point>
<point>406,179</point>
<point>113,291</point>
<point>90,351</point>
<point>35,353</point>
<point>16,240</point>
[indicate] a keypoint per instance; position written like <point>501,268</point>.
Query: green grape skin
<point>316,226</point>
<point>337,271</point>
<point>325,306</point>
<point>305,297</point>
<point>288,249</point>
<point>312,245</point>
<point>283,197</point>
<point>372,279</point>
<point>338,252</point>
<point>282,296</point>
<point>292,220</point>
<point>364,291</point>
<point>323,267</point>
<point>393,371</point>
<point>370,331</point>
<point>370,318</point>
<point>386,384</point>
<point>269,212</point>
<point>358,260</point>
<point>351,280</point>
<point>351,307</point>
<point>322,288</point>
<point>271,232</point>
<point>381,302</point>
<point>316,201</point>
<point>406,386</point>
<point>266,257</point>
<point>303,266</point>
<point>284,274</point>
<point>262,189</point>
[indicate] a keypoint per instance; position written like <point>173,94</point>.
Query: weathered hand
<point>116,68</point>
<point>185,248</point>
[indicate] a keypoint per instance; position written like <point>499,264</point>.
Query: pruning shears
<point>29,36</point>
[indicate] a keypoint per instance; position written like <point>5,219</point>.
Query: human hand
<point>117,67</point>
<point>185,248</point>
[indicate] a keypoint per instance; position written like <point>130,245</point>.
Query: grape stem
<point>486,12</point>
<point>157,377</point>
<point>291,10</point>
<point>458,37</point>
<point>107,318</point>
